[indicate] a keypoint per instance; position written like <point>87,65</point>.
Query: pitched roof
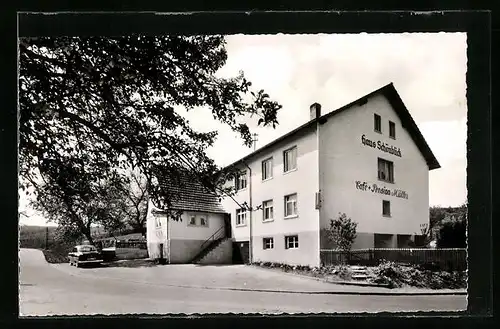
<point>190,195</point>
<point>399,107</point>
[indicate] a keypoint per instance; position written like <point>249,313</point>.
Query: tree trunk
<point>89,237</point>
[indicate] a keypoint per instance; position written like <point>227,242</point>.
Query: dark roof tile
<point>190,195</point>
<point>392,95</point>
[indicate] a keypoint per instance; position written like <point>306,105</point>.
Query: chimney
<point>315,111</point>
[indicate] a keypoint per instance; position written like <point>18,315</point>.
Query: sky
<point>428,71</point>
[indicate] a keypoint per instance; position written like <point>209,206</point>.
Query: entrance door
<point>241,252</point>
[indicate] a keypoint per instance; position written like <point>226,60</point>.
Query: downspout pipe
<point>250,242</point>
<point>169,240</point>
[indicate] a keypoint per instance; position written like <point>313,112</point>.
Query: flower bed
<point>392,274</point>
<point>339,272</point>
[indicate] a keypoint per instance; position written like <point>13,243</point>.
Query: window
<point>385,170</point>
<point>157,222</point>
<point>241,180</point>
<point>377,123</point>
<point>290,205</point>
<point>290,159</point>
<point>392,129</point>
<point>386,208</point>
<point>198,220</point>
<point>268,243</point>
<point>241,217</point>
<point>267,169</point>
<point>291,242</point>
<point>267,208</point>
<point>203,221</point>
<point>192,220</point>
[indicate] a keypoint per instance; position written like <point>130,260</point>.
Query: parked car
<point>84,254</point>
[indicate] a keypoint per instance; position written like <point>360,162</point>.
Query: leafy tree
<point>424,238</point>
<point>77,200</point>
<point>342,232</point>
<point>135,203</point>
<point>69,234</point>
<point>90,105</point>
<point>453,230</point>
<point>436,216</point>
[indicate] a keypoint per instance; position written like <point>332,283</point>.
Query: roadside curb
<point>358,284</point>
<point>366,293</point>
<point>319,292</point>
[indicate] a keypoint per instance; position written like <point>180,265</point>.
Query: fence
<point>122,249</point>
<point>136,244</point>
<point>447,259</point>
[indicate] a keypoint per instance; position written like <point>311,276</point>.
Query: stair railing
<point>213,237</point>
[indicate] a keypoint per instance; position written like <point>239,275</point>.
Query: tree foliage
<point>135,202</point>
<point>436,216</point>
<point>453,230</point>
<point>69,234</point>
<point>92,106</point>
<point>77,201</point>
<point>342,232</point>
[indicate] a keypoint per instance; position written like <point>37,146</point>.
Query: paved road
<point>47,289</point>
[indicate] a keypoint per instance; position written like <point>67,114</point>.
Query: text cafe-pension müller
<point>381,146</point>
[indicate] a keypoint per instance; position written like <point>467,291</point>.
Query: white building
<point>202,234</point>
<point>367,159</point>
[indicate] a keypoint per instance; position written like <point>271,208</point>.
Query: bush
<point>389,273</point>
<point>453,234</point>
<point>398,275</point>
<point>342,232</point>
<point>58,253</point>
<point>344,272</point>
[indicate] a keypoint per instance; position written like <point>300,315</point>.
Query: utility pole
<point>254,140</point>
<point>46,237</point>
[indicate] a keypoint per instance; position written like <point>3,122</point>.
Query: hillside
<point>31,236</point>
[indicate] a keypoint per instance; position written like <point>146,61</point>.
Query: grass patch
<point>57,252</point>
<point>55,256</point>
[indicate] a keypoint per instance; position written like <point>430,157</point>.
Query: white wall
<point>303,181</point>
<point>181,230</point>
<point>345,160</point>
<point>156,235</point>
<point>186,239</point>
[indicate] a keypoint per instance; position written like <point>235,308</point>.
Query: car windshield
<point>87,248</point>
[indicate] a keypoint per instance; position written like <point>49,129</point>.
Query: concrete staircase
<point>359,273</point>
<point>218,252</point>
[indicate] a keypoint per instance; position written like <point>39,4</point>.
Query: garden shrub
<point>398,275</point>
<point>344,272</point>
